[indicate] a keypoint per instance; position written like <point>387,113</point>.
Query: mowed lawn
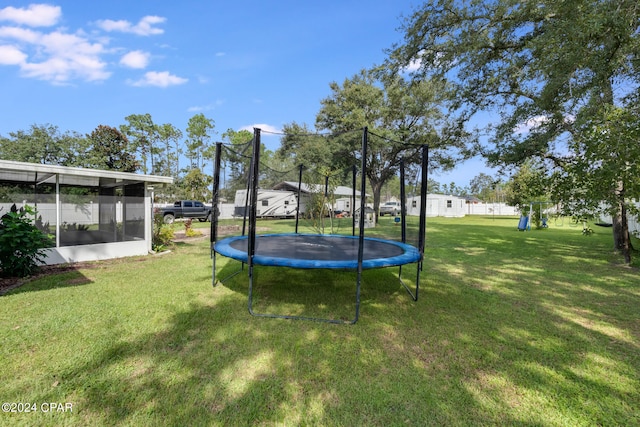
<point>511,328</point>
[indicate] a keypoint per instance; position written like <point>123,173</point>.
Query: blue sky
<point>242,63</point>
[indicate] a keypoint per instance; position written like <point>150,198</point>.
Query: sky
<point>242,63</point>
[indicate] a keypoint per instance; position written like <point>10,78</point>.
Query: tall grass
<point>534,328</point>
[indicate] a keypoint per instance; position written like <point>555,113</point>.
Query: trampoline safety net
<point>351,202</point>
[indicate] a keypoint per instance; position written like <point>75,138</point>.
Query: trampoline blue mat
<point>322,251</point>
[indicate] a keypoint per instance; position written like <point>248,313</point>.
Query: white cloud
<point>159,79</point>
<point>413,66</point>
<point>35,15</point>
<point>135,59</point>
<point>57,57</point>
<point>20,34</point>
<point>11,55</point>
<point>208,107</point>
<point>531,124</point>
<point>262,126</point>
<point>144,27</point>
<point>60,56</point>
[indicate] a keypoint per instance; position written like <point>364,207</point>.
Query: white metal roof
<point>39,173</point>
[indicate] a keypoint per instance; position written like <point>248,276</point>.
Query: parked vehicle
<point>390,208</point>
<point>186,209</point>
<point>270,203</point>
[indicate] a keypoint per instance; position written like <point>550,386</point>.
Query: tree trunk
<point>621,236</point>
<point>376,188</point>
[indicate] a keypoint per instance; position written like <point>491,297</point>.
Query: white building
<point>438,205</point>
<point>344,200</point>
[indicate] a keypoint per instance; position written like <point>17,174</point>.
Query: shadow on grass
<point>201,371</point>
<point>49,277</point>
<point>323,293</point>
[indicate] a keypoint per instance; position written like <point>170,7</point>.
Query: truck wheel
<point>169,218</point>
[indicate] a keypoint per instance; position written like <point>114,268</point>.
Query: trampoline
<point>321,251</point>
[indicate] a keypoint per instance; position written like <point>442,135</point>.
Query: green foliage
<point>301,146</point>
<point>605,167</point>
<point>197,184</point>
<point>317,211</point>
<point>169,164</point>
<point>486,188</point>
<point>527,185</point>
<point>143,134</point>
<point>189,231</point>
<point>44,144</point>
<point>73,227</point>
<point>163,233</point>
<point>549,69</point>
<point>111,150</point>
<point>401,113</point>
<point>22,244</point>
<point>199,132</point>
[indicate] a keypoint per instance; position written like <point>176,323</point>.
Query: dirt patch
<point>9,283</point>
<point>223,230</point>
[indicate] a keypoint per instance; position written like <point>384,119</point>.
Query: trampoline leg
<point>213,270</point>
<point>250,297</point>
<point>413,294</point>
<point>286,316</point>
<point>358,282</point>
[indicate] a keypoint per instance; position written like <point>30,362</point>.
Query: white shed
<point>438,205</point>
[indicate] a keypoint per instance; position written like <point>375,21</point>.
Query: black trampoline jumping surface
<point>319,251</point>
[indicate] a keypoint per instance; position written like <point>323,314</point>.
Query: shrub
<point>22,244</point>
<point>162,233</point>
<point>189,231</point>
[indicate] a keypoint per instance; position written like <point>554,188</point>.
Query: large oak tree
<point>547,68</point>
<point>402,115</point>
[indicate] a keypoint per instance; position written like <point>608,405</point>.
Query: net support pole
<point>403,203</point>
<point>423,218</point>
<point>299,191</point>
<point>423,214</point>
<point>353,200</point>
<point>403,220</point>
<point>213,217</point>
<point>363,191</point>
<point>423,200</point>
<point>251,238</point>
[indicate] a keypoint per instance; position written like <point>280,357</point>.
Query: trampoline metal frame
<point>251,238</point>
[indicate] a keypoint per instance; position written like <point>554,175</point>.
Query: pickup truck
<point>390,208</point>
<point>185,209</point>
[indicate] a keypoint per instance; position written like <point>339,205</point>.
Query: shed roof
<point>37,173</point>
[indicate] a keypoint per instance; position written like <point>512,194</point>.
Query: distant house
<point>93,214</point>
<point>343,195</point>
<point>438,205</point>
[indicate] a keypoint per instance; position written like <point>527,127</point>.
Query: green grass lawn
<point>511,328</point>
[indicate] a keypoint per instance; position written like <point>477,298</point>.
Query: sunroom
<point>91,214</point>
